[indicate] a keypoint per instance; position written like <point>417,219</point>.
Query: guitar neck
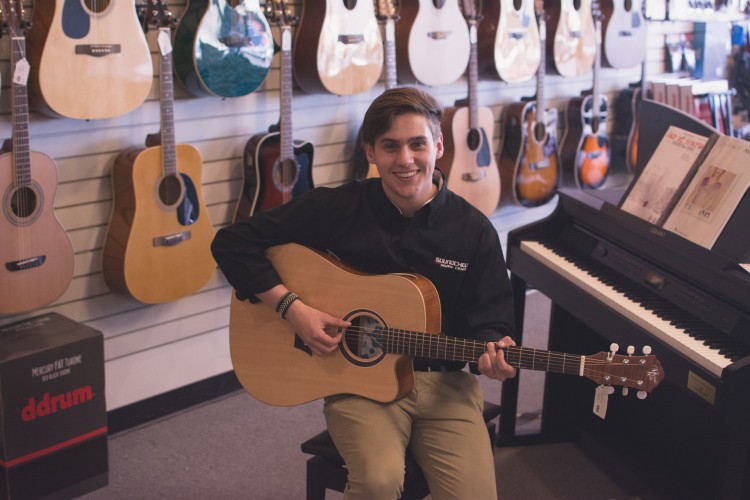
<point>166,94</point>
<point>20,108</point>
<point>540,104</point>
<point>390,53</point>
<point>286,143</point>
<point>473,77</point>
<point>597,65</point>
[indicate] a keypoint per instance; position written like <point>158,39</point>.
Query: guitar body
<point>624,40</point>
<point>222,51</point>
<point>158,241</point>
<point>88,65</point>
<point>337,50</point>
<point>571,38</point>
<point>471,173</point>
<point>258,337</point>
<point>585,147</point>
<point>269,182</point>
<point>36,253</point>
<point>508,41</point>
<point>529,160</point>
<point>426,32</point>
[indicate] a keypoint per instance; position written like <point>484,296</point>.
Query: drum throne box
<point>53,417</point>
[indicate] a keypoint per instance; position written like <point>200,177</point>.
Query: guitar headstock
<point>13,19</point>
<point>158,15</point>
<point>386,10</point>
<point>472,10</point>
<point>596,11</point>
<point>278,11</point>
<point>643,373</point>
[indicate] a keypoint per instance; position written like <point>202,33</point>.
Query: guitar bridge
<point>20,265</point>
<point>351,39</point>
<point>474,176</point>
<point>98,50</point>
<point>439,35</point>
<point>171,240</point>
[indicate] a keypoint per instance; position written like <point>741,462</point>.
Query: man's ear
<point>439,147</point>
<point>369,153</point>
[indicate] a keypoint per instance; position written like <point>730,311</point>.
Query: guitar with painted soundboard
<point>158,241</point>
<point>432,42</point>
<point>468,162</point>
<point>508,40</point>
<point>338,47</point>
<point>276,167</point>
<point>395,317</point>
<point>571,39</point>
<point>529,161</point>
<point>90,58</point>
<point>36,255</point>
<point>585,151</point>
<point>222,49</point>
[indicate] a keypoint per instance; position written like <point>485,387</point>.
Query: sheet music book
<point>655,189</point>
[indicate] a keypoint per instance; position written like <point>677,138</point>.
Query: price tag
<point>21,73</point>
<point>601,396</point>
<point>165,44</point>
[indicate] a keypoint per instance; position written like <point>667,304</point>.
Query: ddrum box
<point>53,418</point>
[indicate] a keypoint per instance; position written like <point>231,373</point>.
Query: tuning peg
<point>624,391</point>
<point>610,390</point>
<point>614,347</point>
<point>646,350</point>
<point>641,394</point>
<point>630,350</point>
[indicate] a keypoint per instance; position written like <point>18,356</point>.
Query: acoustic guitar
<point>570,36</point>
<point>639,93</point>
<point>222,48</point>
<point>394,317</point>
<point>158,241</point>
<point>35,251</point>
<point>508,41</point>
<point>276,167</point>
<point>529,161</point>
<point>338,47</point>
<point>624,28</point>
<point>468,161</point>
<point>386,13</point>
<point>432,42</point>
<point>585,145</point>
<point>90,58</point>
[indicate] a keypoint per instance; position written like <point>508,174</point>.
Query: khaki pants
<point>441,423</point>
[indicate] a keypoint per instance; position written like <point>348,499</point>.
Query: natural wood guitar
<point>157,247</point>
<point>570,36</point>
<point>508,40</point>
<point>338,47</point>
<point>585,151</point>
<point>394,317</point>
<point>222,49</point>
<point>36,256</point>
<point>276,168</point>
<point>90,58</point>
<point>432,42</point>
<point>468,162</point>
<point>529,161</point>
<point>624,28</point>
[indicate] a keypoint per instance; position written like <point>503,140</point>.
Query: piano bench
<point>326,469</point>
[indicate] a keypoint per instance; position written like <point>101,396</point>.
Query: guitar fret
<point>473,77</point>
<point>286,140</point>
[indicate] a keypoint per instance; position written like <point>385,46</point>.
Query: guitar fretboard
<point>166,87</point>
<point>473,77</point>
<point>20,137</point>
<point>390,54</point>
<point>286,139</point>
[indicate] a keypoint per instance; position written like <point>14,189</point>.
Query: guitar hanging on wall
<point>639,93</point>
<point>529,162</point>
<point>338,47</point>
<point>570,36</point>
<point>624,41</point>
<point>585,145</point>
<point>222,49</point>
<point>276,167</point>
<point>394,317</point>
<point>432,42</point>
<point>468,161</point>
<point>158,241</point>
<point>508,41</point>
<point>386,13</point>
<point>36,256</point>
<point>90,58</point>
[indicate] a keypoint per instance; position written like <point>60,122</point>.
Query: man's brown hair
<point>398,101</point>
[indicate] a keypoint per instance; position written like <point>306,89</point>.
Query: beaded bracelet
<point>286,300</point>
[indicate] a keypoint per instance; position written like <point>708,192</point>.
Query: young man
<point>406,221</point>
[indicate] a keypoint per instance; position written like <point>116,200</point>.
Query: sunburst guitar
<point>432,42</point>
<point>571,40</point>
<point>338,47</point>
<point>395,317</point>
<point>529,161</point>
<point>90,58</point>
<point>222,49</point>
<point>35,251</point>
<point>158,241</point>
<point>508,41</point>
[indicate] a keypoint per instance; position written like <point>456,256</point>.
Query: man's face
<point>405,157</point>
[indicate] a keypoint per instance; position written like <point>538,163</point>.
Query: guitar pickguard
<point>188,210</point>
<point>75,20</point>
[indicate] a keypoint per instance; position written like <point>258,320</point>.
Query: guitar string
<point>21,163</point>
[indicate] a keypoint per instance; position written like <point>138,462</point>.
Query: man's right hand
<point>313,326</point>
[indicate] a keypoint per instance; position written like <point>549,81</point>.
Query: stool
<point>326,468</point>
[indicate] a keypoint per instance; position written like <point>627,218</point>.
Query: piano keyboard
<point>703,347</point>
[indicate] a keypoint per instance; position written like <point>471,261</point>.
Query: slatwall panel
<point>153,349</point>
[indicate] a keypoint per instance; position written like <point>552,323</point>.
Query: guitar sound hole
<point>517,4</point>
<point>286,174</point>
<point>539,131</point>
<point>23,202</point>
<point>96,6</point>
<point>170,190</point>
<point>350,4</point>
<point>438,3</point>
<point>628,5</point>
<point>363,340</point>
<point>577,4</point>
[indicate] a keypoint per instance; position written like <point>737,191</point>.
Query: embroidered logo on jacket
<point>451,264</point>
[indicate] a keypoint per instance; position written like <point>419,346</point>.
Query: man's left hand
<point>492,363</point>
